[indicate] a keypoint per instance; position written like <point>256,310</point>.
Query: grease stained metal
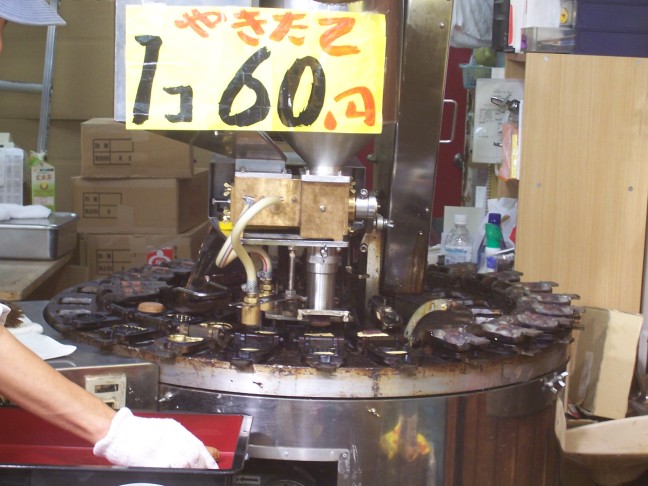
<point>280,361</point>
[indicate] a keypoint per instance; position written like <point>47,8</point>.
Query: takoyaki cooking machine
<point>359,363</point>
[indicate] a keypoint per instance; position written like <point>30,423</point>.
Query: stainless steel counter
<point>120,381</point>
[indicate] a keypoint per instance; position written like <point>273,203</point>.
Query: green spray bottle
<point>493,247</point>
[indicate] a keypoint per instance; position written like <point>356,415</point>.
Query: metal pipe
<point>236,234</point>
<point>46,92</point>
<point>20,86</point>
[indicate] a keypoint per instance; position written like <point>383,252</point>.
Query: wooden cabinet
<point>583,191</point>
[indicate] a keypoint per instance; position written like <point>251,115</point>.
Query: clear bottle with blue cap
<point>458,243</point>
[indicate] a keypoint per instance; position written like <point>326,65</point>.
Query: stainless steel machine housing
<point>340,370</point>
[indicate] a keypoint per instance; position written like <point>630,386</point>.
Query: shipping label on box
<point>101,205</point>
<point>112,152</point>
<point>111,260</point>
<point>134,206</point>
<point>108,150</point>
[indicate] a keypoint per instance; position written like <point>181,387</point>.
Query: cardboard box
<point>107,254</point>
<point>108,150</point>
<point>603,363</point>
<point>64,153</point>
<point>83,70</point>
<point>599,381</point>
<point>64,136</point>
<point>140,206</point>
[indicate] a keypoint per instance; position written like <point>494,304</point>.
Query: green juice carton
<point>43,180</point>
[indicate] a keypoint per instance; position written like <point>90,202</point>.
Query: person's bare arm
<point>120,437</point>
<point>34,385</point>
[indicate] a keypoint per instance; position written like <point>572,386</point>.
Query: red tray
<point>30,445</point>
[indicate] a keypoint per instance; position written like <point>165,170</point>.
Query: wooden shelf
<point>514,66</point>
<point>20,278</point>
<point>584,183</point>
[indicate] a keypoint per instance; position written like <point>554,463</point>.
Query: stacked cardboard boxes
<point>83,87</point>
<point>138,198</point>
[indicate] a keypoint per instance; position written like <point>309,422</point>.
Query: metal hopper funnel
<point>326,153</point>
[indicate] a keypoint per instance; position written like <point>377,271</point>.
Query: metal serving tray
<point>38,239</point>
<point>33,451</point>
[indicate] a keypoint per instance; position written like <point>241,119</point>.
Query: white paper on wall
<point>487,133</point>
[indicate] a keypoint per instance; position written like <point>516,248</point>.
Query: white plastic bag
<point>472,23</point>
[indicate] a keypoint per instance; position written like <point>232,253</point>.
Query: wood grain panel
<point>486,449</point>
<point>584,181</point>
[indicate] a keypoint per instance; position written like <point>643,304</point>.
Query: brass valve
<point>251,311</point>
<point>266,290</point>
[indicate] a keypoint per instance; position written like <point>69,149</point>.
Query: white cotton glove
<point>152,442</point>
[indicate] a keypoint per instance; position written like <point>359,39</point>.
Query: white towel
<point>16,211</point>
<point>31,335</point>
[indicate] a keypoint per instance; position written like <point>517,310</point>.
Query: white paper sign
<point>487,129</point>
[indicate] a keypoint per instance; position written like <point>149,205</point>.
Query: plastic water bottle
<point>458,245</point>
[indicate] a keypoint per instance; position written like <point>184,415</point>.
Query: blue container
<point>612,28</point>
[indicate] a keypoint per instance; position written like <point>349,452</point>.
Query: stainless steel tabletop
<point>131,382</point>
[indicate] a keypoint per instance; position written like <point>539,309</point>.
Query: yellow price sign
<point>234,68</point>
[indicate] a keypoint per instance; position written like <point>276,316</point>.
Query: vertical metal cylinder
<point>321,270</point>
